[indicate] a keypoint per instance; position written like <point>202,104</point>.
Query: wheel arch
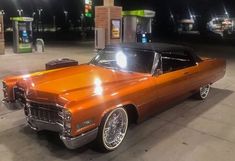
<point>132,112</point>
<point>131,109</point>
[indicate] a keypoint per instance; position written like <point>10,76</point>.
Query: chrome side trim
<point>79,141</point>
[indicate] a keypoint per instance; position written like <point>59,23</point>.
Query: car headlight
<point>66,116</point>
<point>27,109</point>
<point>4,88</point>
<point>4,85</point>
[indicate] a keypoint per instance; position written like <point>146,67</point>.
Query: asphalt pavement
<point>192,130</point>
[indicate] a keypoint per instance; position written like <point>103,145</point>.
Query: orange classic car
<point>123,84</point>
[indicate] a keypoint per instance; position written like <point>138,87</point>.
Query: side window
<point>176,60</point>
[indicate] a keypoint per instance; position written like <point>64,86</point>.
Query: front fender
<point>91,116</point>
<point>8,85</point>
<point>116,106</point>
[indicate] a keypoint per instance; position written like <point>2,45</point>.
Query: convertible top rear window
<point>124,59</point>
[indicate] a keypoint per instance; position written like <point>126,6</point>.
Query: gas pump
<point>22,34</point>
<point>137,26</point>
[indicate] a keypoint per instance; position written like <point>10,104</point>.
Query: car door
<point>197,75</point>
<point>172,83</point>
<point>193,75</point>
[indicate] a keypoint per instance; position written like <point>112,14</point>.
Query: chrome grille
<point>46,113</point>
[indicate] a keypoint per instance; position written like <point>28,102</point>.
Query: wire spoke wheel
<point>204,91</point>
<point>115,128</point>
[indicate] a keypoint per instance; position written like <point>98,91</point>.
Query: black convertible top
<point>159,47</point>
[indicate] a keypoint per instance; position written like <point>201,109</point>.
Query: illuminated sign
<point>23,19</point>
<point>139,13</point>
<point>88,8</point>
<point>115,29</point>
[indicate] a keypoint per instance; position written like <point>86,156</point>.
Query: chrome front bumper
<point>69,142</point>
<point>79,141</point>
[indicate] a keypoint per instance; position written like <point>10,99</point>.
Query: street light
<point>39,21</point>
<point>20,12</point>
<point>171,14</point>
<point>226,12</point>
<point>33,14</point>
<point>193,17</point>
<point>66,15</point>
<point>39,13</point>
<point>2,12</point>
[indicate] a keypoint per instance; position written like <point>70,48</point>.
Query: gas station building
<point>2,42</point>
<point>113,25</point>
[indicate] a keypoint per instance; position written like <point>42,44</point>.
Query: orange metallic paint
<point>89,91</point>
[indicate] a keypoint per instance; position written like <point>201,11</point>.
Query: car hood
<point>77,82</point>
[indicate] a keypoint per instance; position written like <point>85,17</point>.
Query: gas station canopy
<point>139,13</point>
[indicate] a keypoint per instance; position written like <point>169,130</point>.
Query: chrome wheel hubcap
<point>115,128</point>
<point>204,91</point>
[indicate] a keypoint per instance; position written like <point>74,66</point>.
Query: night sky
<point>56,7</point>
<point>202,8</point>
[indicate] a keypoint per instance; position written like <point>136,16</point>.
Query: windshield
<point>125,59</point>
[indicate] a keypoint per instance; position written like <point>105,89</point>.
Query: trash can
<point>40,46</point>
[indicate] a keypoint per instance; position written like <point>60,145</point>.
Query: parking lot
<point>190,131</point>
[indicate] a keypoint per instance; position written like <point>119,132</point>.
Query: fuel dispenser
<point>22,34</point>
<point>137,26</point>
